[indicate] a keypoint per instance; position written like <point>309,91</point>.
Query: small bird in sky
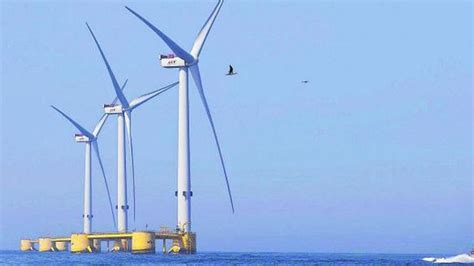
<point>305,81</point>
<point>231,71</point>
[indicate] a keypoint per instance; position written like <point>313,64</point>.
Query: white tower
<point>90,139</point>
<point>87,216</point>
<point>124,121</point>
<point>122,206</point>
<point>185,61</point>
<point>184,175</point>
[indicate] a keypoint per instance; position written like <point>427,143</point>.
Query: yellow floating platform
<point>140,242</point>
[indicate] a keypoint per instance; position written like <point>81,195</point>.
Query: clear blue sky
<point>373,155</point>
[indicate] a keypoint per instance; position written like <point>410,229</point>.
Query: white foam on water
<point>463,258</point>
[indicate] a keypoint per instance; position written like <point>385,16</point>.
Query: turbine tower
<point>184,61</point>
<point>90,139</point>
<point>124,120</point>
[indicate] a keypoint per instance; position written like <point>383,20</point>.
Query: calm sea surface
<point>205,258</point>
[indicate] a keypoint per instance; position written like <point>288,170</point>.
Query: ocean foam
<point>463,258</point>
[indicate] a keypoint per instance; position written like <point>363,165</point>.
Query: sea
<point>211,258</point>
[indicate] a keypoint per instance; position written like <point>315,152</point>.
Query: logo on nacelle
<point>171,62</point>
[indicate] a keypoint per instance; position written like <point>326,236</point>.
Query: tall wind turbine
<point>90,139</point>
<point>124,119</point>
<point>185,61</point>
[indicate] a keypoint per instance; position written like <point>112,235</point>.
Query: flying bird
<point>231,71</point>
<point>305,81</point>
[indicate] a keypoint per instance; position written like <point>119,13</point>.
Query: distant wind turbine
<point>90,139</point>
<point>185,61</point>
<point>124,118</point>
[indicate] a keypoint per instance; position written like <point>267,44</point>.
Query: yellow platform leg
<point>60,246</point>
<point>80,243</point>
<point>143,242</point>
<point>26,245</point>
<point>96,245</point>
<point>188,241</point>
<point>45,244</point>
<point>175,247</point>
<point>120,245</point>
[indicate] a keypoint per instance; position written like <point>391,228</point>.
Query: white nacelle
<point>113,109</point>
<point>81,138</point>
<point>171,61</point>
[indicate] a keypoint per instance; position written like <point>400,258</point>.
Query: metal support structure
<point>87,215</point>
<point>184,177</point>
<point>122,206</point>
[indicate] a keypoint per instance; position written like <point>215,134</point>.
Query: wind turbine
<point>124,119</point>
<point>185,61</point>
<point>90,139</point>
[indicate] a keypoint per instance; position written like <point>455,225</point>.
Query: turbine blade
<point>96,149</point>
<point>123,88</point>
<point>99,125</point>
<point>118,91</point>
<point>128,124</point>
<point>104,117</point>
<point>201,38</point>
<point>79,127</point>
<point>171,44</point>
<point>197,79</point>
<point>146,97</point>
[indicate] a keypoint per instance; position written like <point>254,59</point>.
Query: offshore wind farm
<point>182,238</point>
<point>236,132</point>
